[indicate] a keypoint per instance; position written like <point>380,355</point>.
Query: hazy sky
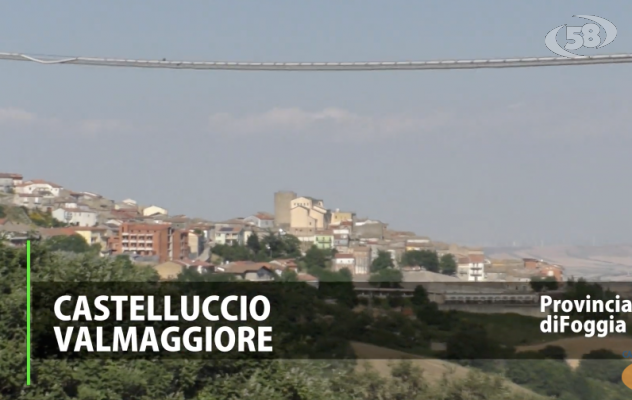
<point>471,156</point>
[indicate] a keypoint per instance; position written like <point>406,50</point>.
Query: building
<point>324,240</point>
<point>344,261</point>
<point>261,220</point>
<point>362,255</point>
<point>154,210</point>
<point>93,235</point>
<point>9,181</point>
<point>369,229</point>
<point>170,270</point>
<point>341,216</point>
<point>38,186</point>
<point>228,235</point>
<point>15,234</point>
<point>250,271</point>
<point>149,240</point>
<point>472,268</point>
<point>307,212</point>
<point>28,200</point>
<point>76,216</point>
<point>195,243</point>
<point>282,207</point>
<point>418,244</point>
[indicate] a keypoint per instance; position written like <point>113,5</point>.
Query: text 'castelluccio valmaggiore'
<point>172,338</point>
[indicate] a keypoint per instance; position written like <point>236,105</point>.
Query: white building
<point>261,220</point>
<point>154,210</point>
<point>344,261</point>
<point>75,216</point>
<point>472,268</point>
<point>38,186</point>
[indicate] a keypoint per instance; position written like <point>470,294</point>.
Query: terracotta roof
<point>464,260</point>
<point>131,225</point>
<point>264,216</point>
<point>340,255</point>
<point>57,232</point>
<point>40,182</point>
<point>243,267</point>
<point>10,175</point>
<point>89,228</point>
<point>477,258</point>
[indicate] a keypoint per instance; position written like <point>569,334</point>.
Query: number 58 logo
<point>590,36</point>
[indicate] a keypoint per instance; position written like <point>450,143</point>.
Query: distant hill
<point>604,263</point>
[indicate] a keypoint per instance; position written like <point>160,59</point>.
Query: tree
<point>383,261</point>
<point>289,276</point>
<point>447,264</point>
<point>420,296</point>
<point>315,258</point>
<point>539,284</point>
<point>424,258</point>
<point>253,243</point>
<point>72,243</point>
<point>553,353</point>
<point>603,365</point>
<point>346,275</point>
<point>386,278</point>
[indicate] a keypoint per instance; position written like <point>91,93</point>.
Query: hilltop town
<point>150,235</point>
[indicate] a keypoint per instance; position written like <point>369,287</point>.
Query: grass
<point>511,329</point>
<point>382,359</point>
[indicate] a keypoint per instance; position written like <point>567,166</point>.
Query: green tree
<point>315,258</point>
<point>386,278</point>
<point>554,353</point>
<point>289,276</point>
<point>447,264</point>
<point>603,365</point>
<point>253,243</point>
<point>72,243</point>
<point>539,284</point>
<point>382,261</point>
<point>424,258</point>
<point>420,296</point>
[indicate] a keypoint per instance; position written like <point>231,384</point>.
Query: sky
<point>481,157</point>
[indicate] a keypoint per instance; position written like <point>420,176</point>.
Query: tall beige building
<point>282,207</point>
<point>307,212</point>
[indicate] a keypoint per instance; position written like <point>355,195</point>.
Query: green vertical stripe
<point>28,313</point>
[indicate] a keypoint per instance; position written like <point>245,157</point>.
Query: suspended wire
<point>326,66</point>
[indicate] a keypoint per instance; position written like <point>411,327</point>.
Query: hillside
<point>596,263</point>
<point>15,214</point>
<point>433,369</point>
<point>576,347</point>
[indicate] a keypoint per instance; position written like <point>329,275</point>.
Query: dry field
<point>433,369</point>
<point>578,346</point>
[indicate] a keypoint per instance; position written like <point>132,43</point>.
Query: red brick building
<point>151,240</point>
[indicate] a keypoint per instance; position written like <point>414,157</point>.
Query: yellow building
<point>93,235</point>
<point>341,216</point>
<point>307,212</point>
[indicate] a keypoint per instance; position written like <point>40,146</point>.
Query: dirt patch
<point>578,346</point>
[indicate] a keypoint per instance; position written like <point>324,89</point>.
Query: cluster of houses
<point>150,235</point>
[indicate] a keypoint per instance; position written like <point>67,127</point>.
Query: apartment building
<point>160,240</point>
<point>472,268</point>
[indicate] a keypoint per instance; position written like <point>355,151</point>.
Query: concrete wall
<point>529,311</point>
<point>282,201</point>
